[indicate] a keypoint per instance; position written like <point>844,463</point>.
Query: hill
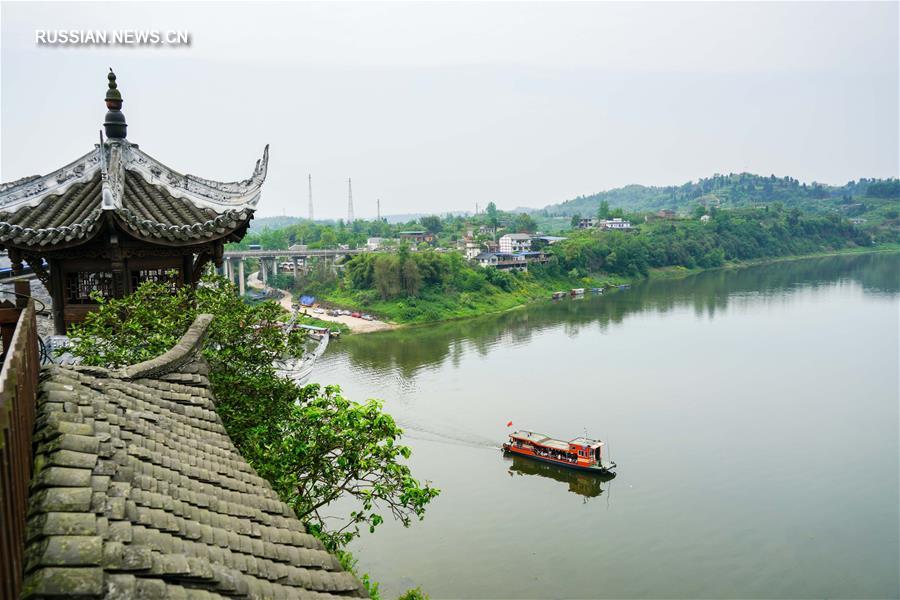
<point>735,190</point>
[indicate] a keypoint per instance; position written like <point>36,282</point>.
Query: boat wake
<point>445,435</point>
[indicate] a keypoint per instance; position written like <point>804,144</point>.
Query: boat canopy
<point>542,440</point>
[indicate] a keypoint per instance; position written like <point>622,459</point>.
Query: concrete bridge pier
<point>296,271</point>
<point>242,285</point>
<point>262,271</point>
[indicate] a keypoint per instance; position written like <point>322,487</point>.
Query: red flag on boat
<point>509,424</point>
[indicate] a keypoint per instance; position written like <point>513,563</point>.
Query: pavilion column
<point>241,284</point>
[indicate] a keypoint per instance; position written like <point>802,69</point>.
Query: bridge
<point>233,262</point>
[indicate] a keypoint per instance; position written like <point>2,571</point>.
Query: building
<point>587,223</point>
<point>116,217</point>
<point>503,261</point>
<point>374,243</point>
<point>417,237</point>
<point>705,219</point>
<point>542,241</point>
<point>512,243</point>
<point>138,491</point>
<point>666,213</point>
<point>616,223</point>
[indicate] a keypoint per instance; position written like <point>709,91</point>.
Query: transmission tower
<point>310,198</point>
<point>349,201</point>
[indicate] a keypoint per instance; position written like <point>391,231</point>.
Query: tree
<point>576,220</point>
<point>313,445</point>
<point>525,224</point>
<point>431,223</point>
<point>493,218</point>
<point>603,210</point>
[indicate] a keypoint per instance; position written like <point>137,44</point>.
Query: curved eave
<point>218,196</point>
<point>30,191</point>
<point>50,239</point>
<point>153,232</point>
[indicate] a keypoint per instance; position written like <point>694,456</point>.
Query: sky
<point>434,107</point>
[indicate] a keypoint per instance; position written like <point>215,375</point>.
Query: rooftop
<point>145,197</point>
<point>138,492</point>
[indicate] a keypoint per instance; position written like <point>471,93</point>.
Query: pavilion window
<point>167,277</point>
<point>81,284</point>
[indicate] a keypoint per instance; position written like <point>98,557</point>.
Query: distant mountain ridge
<point>732,190</point>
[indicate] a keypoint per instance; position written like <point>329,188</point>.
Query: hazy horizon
<point>434,107</point>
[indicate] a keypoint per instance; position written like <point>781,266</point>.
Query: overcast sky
<point>434,107</point>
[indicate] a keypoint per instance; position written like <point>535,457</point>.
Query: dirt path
<point>354,324</point>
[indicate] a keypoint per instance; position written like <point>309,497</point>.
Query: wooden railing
<point>18,397</point>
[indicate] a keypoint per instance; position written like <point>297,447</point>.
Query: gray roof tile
<point>138,492</point>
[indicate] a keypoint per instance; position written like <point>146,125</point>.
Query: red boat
<point>583,454</point>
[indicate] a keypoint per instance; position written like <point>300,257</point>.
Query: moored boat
<point>582,453</point>
<point>558,295</point>
<point>577,291</point>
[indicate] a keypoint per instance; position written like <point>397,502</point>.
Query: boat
<point>582,453</point>
<point>597,290</point>
<point>577,291</point>
<point>558,295</point>
<point>299,369</point>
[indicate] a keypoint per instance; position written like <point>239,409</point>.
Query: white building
<point>513,243</point>
<point>616,223</point>
<point>374,243</point>
<point>704,219</point>
<point>473,249</point>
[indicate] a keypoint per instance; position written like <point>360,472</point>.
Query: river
<point>753,415</point>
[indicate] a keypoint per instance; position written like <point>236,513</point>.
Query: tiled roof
<point>147,199</point>
<point>147,210</point>
<point>138,492</point>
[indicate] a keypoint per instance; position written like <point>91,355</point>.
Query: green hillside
<point>735,190</point>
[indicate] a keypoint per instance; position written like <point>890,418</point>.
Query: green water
<point>753,415</point>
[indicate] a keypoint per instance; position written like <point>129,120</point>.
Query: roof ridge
<point>176,357</point>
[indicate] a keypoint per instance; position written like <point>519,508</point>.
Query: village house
<point>416,237</point>
<point>503,261</point>
<point>587,223</point>
<point>616,223</point>
<point>374,243</point>
<point>512,243</point>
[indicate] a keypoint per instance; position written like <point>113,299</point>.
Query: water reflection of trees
<point>410,349</point>
<point>589,485</point>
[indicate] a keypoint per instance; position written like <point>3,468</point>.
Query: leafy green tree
<point>313,445</point>
<point>603,210</point>
<point>431,223</point>
<point>576,219</point>
<point>525,224</point>
<point>492,214</point>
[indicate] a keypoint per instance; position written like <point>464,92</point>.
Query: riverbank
<point>348,323</point>
<point>436,307</point>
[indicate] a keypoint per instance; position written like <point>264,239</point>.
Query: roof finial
<point>114,124</point>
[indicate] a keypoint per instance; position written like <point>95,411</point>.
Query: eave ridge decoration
<point>219,196</point>
<point>29,191</point>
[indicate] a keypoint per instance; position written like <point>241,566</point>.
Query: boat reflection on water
<point>589,485</point>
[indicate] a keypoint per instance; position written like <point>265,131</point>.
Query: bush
<point>312,444</point>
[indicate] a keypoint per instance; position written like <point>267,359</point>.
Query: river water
<point>753,415</point>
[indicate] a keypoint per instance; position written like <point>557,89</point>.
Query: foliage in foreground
<point>313,445</point>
